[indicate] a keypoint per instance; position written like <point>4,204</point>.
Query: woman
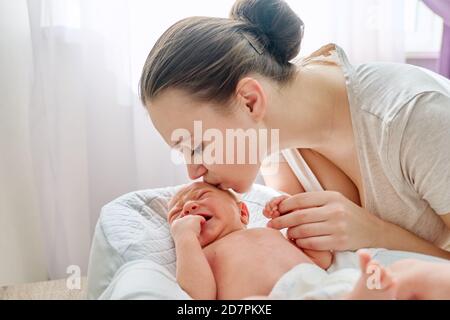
<point>375,137</point>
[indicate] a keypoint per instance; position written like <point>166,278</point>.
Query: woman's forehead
<point>173,101</point>
<point>169,116</point>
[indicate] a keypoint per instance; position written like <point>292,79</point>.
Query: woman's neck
<point>312,112</point>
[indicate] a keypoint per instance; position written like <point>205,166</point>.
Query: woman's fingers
<point>307,200</point>
<point>364,259</point>
<point>299,217</point>
<point>323,243</point>
<point>309,230</point>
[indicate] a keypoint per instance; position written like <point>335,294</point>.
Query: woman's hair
<point>207,57</point>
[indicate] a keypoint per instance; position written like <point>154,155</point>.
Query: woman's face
<point>173,110</point>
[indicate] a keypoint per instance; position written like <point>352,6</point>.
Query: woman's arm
<point>423,157</point>
<point>327,220</point>
<point>394,237</point>
<point>446,218</point>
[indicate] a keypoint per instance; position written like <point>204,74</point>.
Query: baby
<point>218,257</point>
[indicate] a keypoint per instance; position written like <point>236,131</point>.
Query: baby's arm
<point>323,259</point>
<point>194,273</point>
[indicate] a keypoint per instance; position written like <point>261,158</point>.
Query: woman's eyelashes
<point>197,150</point>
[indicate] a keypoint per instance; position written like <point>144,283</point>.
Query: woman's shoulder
<point>326,55</point>
<point>384,89</point>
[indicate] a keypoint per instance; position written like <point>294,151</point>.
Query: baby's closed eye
<point>173,215</point>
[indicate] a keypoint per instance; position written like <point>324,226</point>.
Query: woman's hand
<point>325,221</point>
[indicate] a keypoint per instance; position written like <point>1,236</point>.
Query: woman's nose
<point>196,171</point>
<point>189,208</point>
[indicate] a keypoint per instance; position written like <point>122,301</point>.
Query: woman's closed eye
<point>197,150</point>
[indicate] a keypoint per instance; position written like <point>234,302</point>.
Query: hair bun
<point>274,23</point>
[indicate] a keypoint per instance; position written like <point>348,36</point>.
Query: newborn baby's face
<point>223,213</point>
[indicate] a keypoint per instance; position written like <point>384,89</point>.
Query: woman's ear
<point>245,215</point>
<point>252,96</point>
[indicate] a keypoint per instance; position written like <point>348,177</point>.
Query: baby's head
<point>223,212</point>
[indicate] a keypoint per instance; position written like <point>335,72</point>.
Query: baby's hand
<point>190,225</point>
<point>271,209</point>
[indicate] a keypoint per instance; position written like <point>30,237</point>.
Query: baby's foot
<point>376,282</point>
<point>271,210</point>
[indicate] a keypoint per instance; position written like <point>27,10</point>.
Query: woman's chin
<point>239,190</point>
<point>242,189</point>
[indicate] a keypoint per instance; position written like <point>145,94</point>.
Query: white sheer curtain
<point>85,138</point>
<point>368,30</point>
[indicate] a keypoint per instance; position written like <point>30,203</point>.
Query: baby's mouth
<point>207,216</point>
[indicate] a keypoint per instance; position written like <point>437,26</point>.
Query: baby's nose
<point>190,208</point>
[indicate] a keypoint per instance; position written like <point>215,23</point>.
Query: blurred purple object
<point>442,8</point>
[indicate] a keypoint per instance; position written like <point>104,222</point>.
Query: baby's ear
<point>245,214</point>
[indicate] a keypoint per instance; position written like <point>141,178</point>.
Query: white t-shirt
<point>401,119</point>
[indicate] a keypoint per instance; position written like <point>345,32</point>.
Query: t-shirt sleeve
<point>425,150</point>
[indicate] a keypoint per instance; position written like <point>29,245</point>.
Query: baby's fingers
<point>278,200</point>
<point>195,219</point>
<point>267,212</point>
<point>270,212</point>
<point>202,220</point>
<point>271,207</point>
<point>275,203</point>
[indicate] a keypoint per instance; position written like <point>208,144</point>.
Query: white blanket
<point>144,279</point>
<point>310,282</point>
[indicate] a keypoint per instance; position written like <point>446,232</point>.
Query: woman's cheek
<point>243,187</point>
